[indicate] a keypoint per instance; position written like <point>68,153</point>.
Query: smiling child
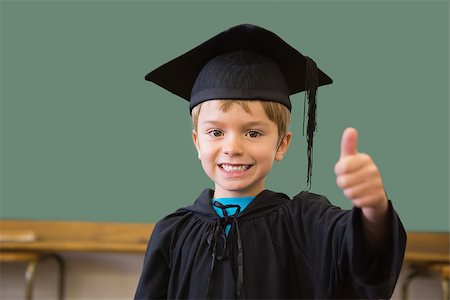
<point>242,240</point>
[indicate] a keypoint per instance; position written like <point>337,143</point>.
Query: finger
<point>352,163</point>
<point>349,142</point>
<point>369,188</point>
<point>347,180</point>
<point>359,191</point>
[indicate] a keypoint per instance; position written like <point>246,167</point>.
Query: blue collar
<point>243,202</point>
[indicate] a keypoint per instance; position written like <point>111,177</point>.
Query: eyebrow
<point>247,124</point>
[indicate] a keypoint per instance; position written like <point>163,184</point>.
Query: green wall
<point>84,137</point>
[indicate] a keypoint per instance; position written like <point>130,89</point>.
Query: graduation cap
<point>245,62</point>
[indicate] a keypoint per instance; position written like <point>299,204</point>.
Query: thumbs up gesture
<point>359,178</point>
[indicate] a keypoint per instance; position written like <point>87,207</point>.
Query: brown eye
<point>215,133</point>
<point>253,134</point>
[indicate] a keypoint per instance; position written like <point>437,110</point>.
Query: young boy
<point>241,240</point>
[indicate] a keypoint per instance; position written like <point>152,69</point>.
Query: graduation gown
<point>302,248</point>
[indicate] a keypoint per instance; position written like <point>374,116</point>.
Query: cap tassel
<point>311,83</point>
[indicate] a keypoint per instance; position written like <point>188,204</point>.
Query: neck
<point>221,193</point>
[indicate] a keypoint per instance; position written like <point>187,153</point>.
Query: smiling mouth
<point>234,168</point>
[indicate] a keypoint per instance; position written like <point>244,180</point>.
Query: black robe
<point>302,248</point>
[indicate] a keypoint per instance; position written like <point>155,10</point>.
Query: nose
<point>232,145</point>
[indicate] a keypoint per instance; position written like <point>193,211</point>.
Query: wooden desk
<point>423,248</point>
<point>428,247</point>
<point>63,236</point>
<point>428,254</point>
<point>49,238</point>
<point>66,236</point>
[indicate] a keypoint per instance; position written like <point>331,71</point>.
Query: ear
<point>283,147</point>
<point>196,144</point>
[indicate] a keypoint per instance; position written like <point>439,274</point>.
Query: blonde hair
<point>276,112</point>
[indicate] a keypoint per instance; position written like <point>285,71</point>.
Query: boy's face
<point>237,148</point>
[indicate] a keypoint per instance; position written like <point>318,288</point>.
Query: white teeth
<point>239,168</point>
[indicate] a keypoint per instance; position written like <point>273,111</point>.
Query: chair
<point>33,259</point>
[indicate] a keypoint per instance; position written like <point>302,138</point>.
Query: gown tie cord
<point>220,235</point>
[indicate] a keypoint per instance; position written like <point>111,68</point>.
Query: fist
<point>358,176</point>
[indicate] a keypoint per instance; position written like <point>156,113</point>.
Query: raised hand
<point>358,176</point>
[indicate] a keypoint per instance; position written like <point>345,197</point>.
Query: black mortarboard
<point>244,62</point>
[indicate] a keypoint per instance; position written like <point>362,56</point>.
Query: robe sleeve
<point>375,274</point>
<point>154,279</point>
<point>334,240</point>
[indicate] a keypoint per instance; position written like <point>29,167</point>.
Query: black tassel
<point>311,83</point>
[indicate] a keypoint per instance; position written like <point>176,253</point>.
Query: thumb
<point>349,142</point>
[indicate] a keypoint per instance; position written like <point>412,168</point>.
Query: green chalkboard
<point>84,137</point>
